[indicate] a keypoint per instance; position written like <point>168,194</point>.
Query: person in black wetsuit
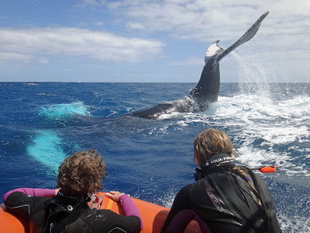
<point>225,197</point>
<point>70,208</point>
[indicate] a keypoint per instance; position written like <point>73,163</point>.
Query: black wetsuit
<point>226,202</point>
<point>67,215</point>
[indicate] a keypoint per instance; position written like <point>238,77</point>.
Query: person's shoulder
<point>187,187</point>
<point>185,192</point>
<point>15,197</point>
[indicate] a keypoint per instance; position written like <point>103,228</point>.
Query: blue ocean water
<point>42,123</point>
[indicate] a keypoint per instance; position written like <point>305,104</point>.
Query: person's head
<point>82,173</point>
<point>210,142</point>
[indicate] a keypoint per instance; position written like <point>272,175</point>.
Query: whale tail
<point>250,33</point>
<point>207,89</point>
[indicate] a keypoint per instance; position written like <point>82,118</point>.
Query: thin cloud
<point>93,2</point>
<point>191,61</point>
<point>135,26</point>
<point>11,57</point>
<point>24,44</point>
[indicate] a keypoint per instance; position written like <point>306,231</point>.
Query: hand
<point>114,195</point>
<point>56,191</point>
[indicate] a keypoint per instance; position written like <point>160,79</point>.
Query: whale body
<point>207,89</point>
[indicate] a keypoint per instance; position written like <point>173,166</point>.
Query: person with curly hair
<point>72,206</point>
<point>225,197</point>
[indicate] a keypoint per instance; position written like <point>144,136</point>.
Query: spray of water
<point>253,76</point>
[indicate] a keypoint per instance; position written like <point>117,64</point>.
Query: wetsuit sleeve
<point>36,192</point>
<point>268,203</point>
<point>129,208</point>
<point>181,202</point>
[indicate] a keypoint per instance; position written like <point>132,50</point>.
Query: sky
<point>151,40</point>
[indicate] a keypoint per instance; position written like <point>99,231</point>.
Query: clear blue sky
<point>151,41</point>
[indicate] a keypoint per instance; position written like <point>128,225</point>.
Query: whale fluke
<point>246,36</point>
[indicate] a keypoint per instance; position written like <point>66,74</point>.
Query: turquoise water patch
<point>63,111</point>
<point>46,148</point>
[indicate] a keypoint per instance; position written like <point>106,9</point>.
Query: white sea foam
<point>294,224</point>
<point>275,124</point>
<point>261,125</point>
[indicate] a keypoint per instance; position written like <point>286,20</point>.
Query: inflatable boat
<point>153,217</point>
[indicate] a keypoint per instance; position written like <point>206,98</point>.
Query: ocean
<point>42,123</point>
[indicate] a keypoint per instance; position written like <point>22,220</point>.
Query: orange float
<point>153,217</point>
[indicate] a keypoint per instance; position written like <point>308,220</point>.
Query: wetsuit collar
<point>217,162</point>
<point>73,201</point>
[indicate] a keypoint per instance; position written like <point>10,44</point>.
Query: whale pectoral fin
<point>246,36</point>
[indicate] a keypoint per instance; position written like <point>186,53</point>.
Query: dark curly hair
<point>82,173</point>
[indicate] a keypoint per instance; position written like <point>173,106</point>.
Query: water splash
<point>265,131</point>
<point>254,76</point>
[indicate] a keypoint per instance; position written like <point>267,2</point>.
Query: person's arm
<point>127,204</point>
<point>129,207</point>
<point>181,202</point>
<point>268,202</point>
<point>21,201</point>
<point>35,192</point>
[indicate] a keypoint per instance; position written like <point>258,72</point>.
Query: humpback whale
<point>207,89</point>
